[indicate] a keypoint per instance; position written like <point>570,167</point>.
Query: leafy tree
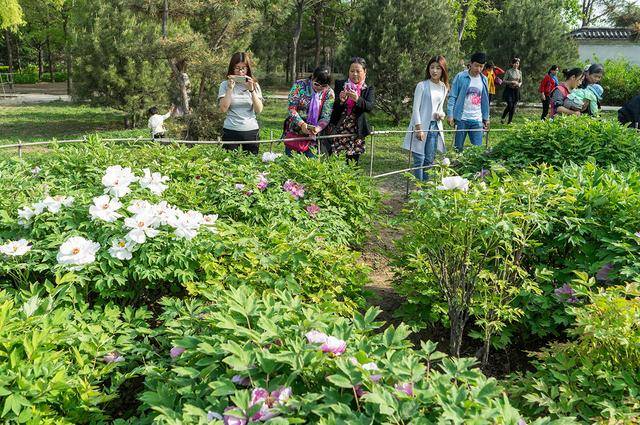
<point>118,63</point>
<point>398,43</point>
<point>11,15</point>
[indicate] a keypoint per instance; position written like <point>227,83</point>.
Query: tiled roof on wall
<point>602,34</point>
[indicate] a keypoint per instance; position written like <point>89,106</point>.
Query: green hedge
<point>32,78</point>
<point>621,81</point>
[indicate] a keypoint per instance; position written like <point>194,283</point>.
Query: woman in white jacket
<point>426,118</point>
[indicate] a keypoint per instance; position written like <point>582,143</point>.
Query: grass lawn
<point>68,121</point>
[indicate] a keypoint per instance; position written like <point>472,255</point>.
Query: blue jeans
<point>474,136</point>
<point>422,159</point>
<point>308,153</point>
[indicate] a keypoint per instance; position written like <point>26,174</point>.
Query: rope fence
<point>20,146</point>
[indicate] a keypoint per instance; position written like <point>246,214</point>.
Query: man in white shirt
<point>156,122</point>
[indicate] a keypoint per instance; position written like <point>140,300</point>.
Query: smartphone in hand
<point>239,79</point>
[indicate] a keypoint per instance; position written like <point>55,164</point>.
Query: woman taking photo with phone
<point>310,105</point>
<point>348,117</point>
<point>241,98</point>
<point>427,116</point>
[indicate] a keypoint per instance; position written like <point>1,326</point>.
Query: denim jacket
<point>459,92</point>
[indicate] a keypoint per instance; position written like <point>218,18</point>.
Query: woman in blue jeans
<point>427,116</point>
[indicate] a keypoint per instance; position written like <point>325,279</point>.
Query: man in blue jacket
<point>468,106</point>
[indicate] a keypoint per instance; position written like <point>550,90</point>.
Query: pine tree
<point>118,60</point>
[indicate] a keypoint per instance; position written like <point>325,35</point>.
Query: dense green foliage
<point>621,81</point>
<point>564,140</point>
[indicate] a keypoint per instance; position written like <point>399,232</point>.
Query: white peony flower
<point>15,248</point>
<point>142,226</point>
<point>105,208</point>
<point>209,221</point>
<point>122,249</point>
<point>153,181</point>
<point>165,212</point>
<point>186,225</point>
<point>25,215</point>
<point>138,206</point>
<point>454,183</point>
<point>116,180</point>
<point>54,204</point>
<point>36,170</point>
<point>446,162</point>
<point>270,156</point>
<point>77,252</point>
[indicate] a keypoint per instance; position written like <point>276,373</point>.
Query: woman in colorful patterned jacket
<point>310,105</point>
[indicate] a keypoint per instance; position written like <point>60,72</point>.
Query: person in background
<point>240,97</point>
<point>355,99</point>
<point>547,85</point>
<point>511,94</point>
<point>468,105</point>
<point>573,78</point>
<point>492,73</point>
<point>156,122</point>
<point>592,75</point>
<point>629,114</point>
<point>310,104</point>
<point>427,116</point>
<point>584,100</point>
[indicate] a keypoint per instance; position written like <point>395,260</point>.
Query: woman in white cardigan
<point>426,118</point>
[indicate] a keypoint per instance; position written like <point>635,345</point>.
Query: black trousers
<point>545,107</point>
<point>249,136</point>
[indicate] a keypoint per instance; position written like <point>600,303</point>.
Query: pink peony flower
<point>113,357</point>
<point>262,182</point>
<point>239,380</point>
<point>295,189</point>
<point>313,209</point>
<point>334,346</point>
<point>260,396</point>
<point>316,337</point>
<point>406,388</point>
<point>176,352</point>
<point>232,418</point>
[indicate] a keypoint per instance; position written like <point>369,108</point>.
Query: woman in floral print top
<point>310,106</point>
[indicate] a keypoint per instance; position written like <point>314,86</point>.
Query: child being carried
<point>583,99</point>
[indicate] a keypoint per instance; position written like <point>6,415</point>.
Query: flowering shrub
<point>566,139</point>
<point>248,357</point>
<point>575,219</point>
<point>138,232</point>
<point>596,377</point>
<point>64,365</point>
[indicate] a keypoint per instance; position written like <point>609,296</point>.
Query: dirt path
<point>377,253</point>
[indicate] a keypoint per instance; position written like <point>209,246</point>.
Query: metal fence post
<point>409,163</point>
<point>373,134</point>
<point>488,131</point>
<point>20,149</point>
<point>271,142</point>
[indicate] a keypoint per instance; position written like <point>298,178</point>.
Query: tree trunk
<point>7,35</point>
<point>487,347</point>
<point>165,17</point>
<point>50,57</point>
<point>317,26</point>
<point>464,12</point>
<point>40,62</point>
<point>67,50</point>
<point>182,84</point>
<point>296,38</point>
<point>458,320</point>
<point>18,54</point>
